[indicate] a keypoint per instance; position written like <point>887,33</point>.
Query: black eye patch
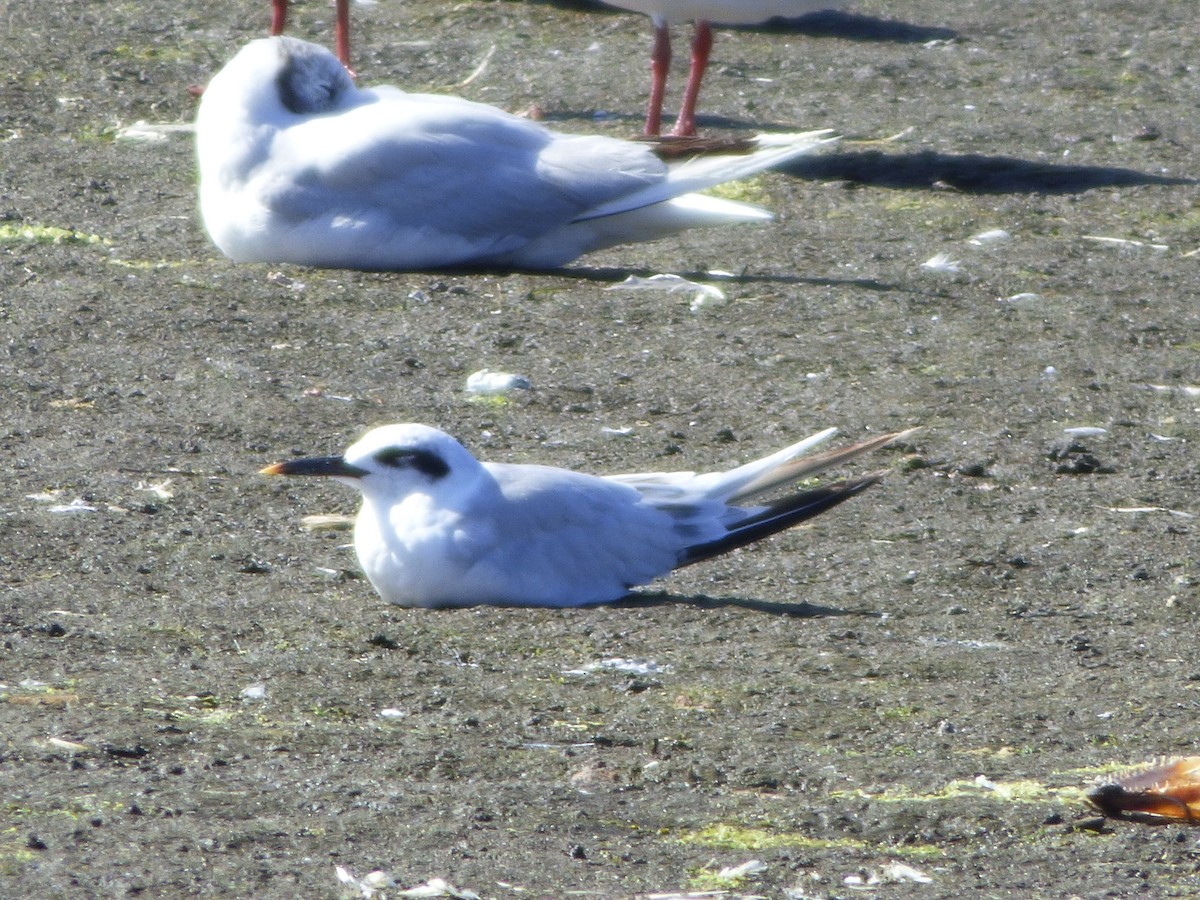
<point>423,461</point>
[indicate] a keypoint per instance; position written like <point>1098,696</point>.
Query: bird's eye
<point>422,461</point>
<point>394,457</point>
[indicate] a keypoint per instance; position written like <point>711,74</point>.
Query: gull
<point>298,165</point>
<point>703,12</point>
<point>439,528</point>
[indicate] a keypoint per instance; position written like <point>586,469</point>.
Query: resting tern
<point>439,528</point>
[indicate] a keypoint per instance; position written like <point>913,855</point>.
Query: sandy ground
<point>199,697</point>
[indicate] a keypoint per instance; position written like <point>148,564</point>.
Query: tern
<point>703,13</point>
<point>298,165</point>
<point>438,528</point>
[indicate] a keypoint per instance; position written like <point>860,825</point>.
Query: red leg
<point>685,125</point>
<point>341,33</point>
<point>278,16</point>
<point>660,63</point>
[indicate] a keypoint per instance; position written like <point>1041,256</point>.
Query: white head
<point>393,461</point>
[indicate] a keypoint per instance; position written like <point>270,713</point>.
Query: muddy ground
<point>199,697</point>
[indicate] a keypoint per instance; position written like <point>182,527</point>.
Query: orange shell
<point>1162,793</point>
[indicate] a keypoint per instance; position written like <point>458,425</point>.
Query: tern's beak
<point>323,466</point>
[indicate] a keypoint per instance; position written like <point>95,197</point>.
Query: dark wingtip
<point>781,514</point>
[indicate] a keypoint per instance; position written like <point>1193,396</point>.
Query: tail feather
<point>777,516</point>
<point>794,469</point>
<point>704,172</point>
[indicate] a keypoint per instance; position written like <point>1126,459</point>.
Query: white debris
<point>892,873</point>
<point>1188,390</point>
<point>327,522</point>
<point>374,882</point>
<point>942,262</point>
<point>617,432</point>
<point>899,872</point>
<point>70,746</point>
<point>283,280</point>
<point>748,869</point>
<point>706,294</point>
<point>1085,431</point>
<point>75,506</point>
<point>45,496</point>
<point>1150,509</point>
<point>622,665</point>
<point>145,132</point>
<point>1025,297</point>
<point>991,236</point>
<point>255,692</point>
<point>160,489</point>
<point>1125,242</point>
<point>487,383</point>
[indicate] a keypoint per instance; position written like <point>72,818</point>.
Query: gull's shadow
<point>823,23</point>
<point>972,173</point>
<point>802,609</point>
<point>852,27</point>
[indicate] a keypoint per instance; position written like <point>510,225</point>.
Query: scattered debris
<point>748,869</point>
<point>1149,509</point>
<point>486,383</point>
<point>320,392</point>
<point>1085,431</point>
<point>255,692</point>
<point>479,69</point>
<point>1124,242</point>
<point>705,294</point>
<point>280,279</point>
<point>892,873</point>
<point>144,132</point>
<point>1025,298</point>
<point>941,262</point>
<point>624,666</point>
<point>374,882</point>
<point>160,489</point>
<point>1188,390</point>
<point>991,236</point>
<point>75,506</point>
<point>327,522</point>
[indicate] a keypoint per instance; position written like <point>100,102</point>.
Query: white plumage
<point>298,165</point>
<point>439,528</point>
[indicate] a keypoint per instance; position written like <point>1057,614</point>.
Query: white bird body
<point>298,165</point>
<point>439,528</point>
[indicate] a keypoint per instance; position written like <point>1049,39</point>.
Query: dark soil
<point>928,675</point>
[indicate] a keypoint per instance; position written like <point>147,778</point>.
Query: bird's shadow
<point>833,23</point>
<point>974,173</point>
<point>801,609</point>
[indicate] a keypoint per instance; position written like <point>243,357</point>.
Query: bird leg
<point>341,33</point>
<point>685,125</point>
<point>660,64</point>
<point>341,27</point>
<point>278,16</point>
